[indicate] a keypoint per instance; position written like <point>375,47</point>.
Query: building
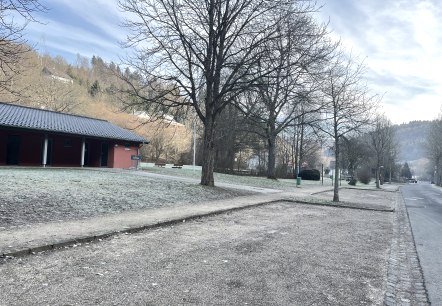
<point>36,137</point>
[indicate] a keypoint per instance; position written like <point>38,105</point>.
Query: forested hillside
<point>89,88</point>
<point>411,138</point>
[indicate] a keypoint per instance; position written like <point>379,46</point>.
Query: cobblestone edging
<point>405,282</point>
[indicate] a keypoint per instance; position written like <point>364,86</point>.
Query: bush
<point>310,175</point>
<point>352,182</point>
<point>364,176</point>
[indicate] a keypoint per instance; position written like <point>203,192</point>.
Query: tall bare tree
<point>13,45</point>
<point>203,53</point>
<point>381,140</point>
<point>434,149</point>
<point>286,94</point>
<point>349,105</point>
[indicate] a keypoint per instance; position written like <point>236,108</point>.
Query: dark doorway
<point>104,154</point>
<point>86,154</point>
<point>13,150</point>
<point>49,156</point>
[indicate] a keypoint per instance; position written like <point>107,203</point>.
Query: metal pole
<point>322,173</point>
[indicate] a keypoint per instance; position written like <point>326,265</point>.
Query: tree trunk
<point>301,145</point>
<point>390,174</point>
<point>296,163</point>
<point>336,176</point>
<point>208,153</point>
<point>272,157</point>
<point>378,172</point>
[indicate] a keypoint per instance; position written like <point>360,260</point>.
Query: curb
<point>65,243</point>
<point>341,206</point>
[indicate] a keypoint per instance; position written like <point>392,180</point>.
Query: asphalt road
<point>424,205</point>
<point>277,254</point>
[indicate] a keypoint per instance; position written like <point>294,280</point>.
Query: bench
<point>177,166</point>
<point>162,165</point>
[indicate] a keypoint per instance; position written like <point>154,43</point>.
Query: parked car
<point>413,181</point>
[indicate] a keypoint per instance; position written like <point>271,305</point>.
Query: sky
<point>400,42</point>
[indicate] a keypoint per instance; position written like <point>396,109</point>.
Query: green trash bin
<point>298,181</point>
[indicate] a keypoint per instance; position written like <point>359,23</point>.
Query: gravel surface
<point>279,254</point>
<point>29,196</point>
<point>368,198</point>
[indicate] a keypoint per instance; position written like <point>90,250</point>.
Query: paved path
<point>405,282</point>
<point>424,205</point>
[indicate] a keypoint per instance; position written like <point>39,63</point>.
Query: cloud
<point>400,40</point>
<point>81,26</point>
<point>402,43</point>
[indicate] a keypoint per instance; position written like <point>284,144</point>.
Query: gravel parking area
<point>278,254</point>
<point>30,196</point>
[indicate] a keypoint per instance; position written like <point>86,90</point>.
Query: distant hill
<point>411,138</point>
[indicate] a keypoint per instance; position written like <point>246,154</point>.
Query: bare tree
<point>198,53</point>
<point>354,154</point>
<point>285,94</point>
<point>349,105</point>
<point>381,140</point>
<point>434,149</point>
<point>13,46</point>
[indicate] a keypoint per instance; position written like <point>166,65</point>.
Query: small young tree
<point>349,105</point>
<point>381,140</point>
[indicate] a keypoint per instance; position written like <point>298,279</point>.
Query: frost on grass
<point>42,195</point>
<point>245,180</point>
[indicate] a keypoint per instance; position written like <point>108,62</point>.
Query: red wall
<point>120,155</point>
<point>30,153</point>
<point>31,150</point>
<point>66,150</point>
<point>3,142</point>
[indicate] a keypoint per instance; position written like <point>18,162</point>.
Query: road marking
<point>413,199</point>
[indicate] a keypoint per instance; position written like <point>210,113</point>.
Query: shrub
<point>310,174</point>
<point>364,176</point>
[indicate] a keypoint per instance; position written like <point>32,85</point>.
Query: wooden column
<point>83,150</point>
<point>45,151</point>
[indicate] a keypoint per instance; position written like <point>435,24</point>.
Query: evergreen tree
<point>406,172</point>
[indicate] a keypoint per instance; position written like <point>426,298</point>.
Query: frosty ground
<point>31,196</point>
<point>285,253</point>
